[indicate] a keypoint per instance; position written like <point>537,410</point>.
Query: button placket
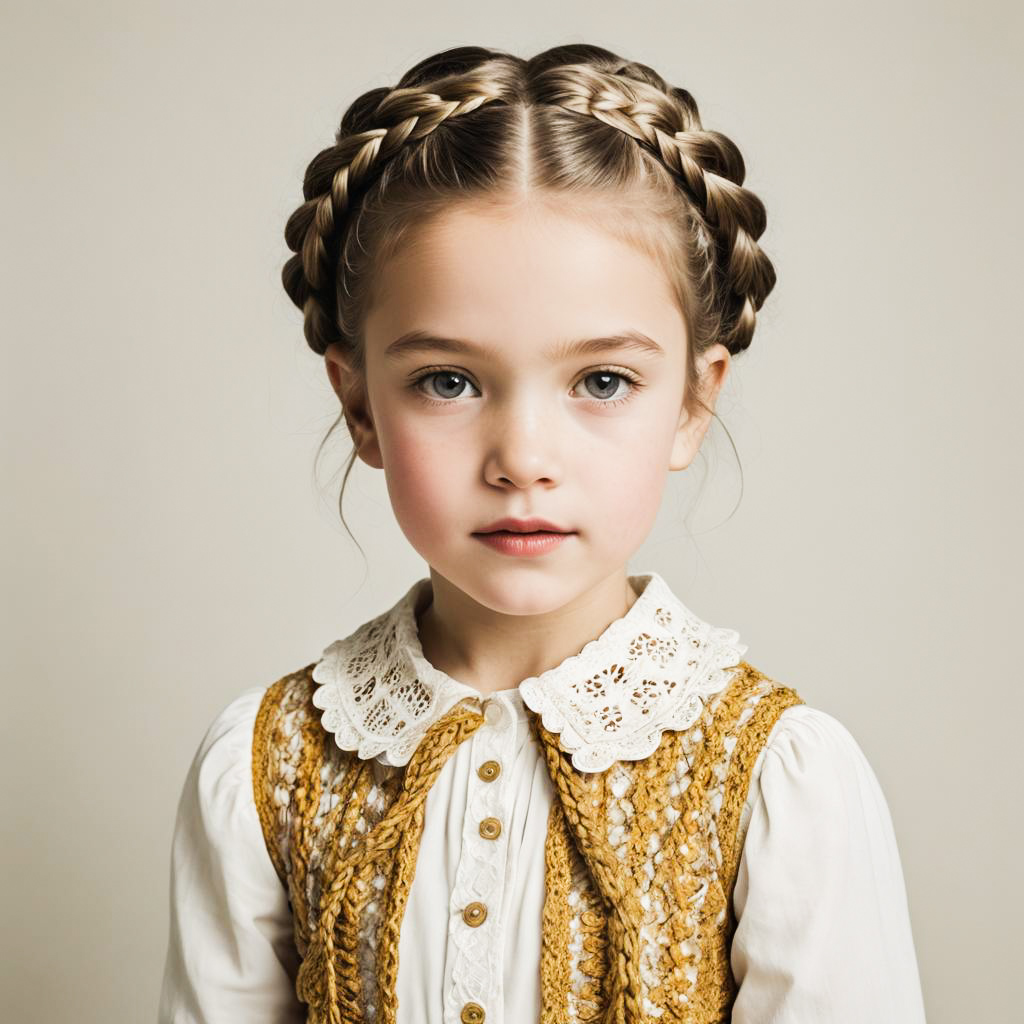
<point>494,715</point>
<point>476,933</point>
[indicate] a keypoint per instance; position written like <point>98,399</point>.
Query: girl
<point>538,787</point>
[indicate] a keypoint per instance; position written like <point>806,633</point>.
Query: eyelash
<point>637,384</point>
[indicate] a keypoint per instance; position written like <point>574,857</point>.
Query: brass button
<point>475,914</point>
<point>490,828</point>
<point>489,771</point>
<point>472,1013</point>
<point>591,918</point>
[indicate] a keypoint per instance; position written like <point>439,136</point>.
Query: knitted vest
<point>640,859</point>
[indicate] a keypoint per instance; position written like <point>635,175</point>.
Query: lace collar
<point>649,671</point>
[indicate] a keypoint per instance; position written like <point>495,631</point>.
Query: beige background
<point>166,544</point>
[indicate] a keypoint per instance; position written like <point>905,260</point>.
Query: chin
<point>519,589</point>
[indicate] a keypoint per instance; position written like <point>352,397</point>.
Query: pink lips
<point>523,537</point>
<point>522,544</point>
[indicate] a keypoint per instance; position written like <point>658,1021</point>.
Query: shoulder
<point>221,765</point>
<point>227,799</point>
<point>749,703</point>
<point>773,724</point>
<point>740,718</point>
<point>788,757</point>
<point>820,840</point>
<point>285,699</point>
<point>813,777</point>
<point>756,702</point>
<point>216,808</point>
<point>810,747</point>
<point>223,761</point>
<point>232,721</point>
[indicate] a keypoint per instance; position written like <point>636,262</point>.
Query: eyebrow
<point>423,341</point>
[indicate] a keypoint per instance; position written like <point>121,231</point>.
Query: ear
<point>350,386</point>
<point>694,420</point>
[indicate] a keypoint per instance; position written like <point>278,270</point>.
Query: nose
<point>522,445</point>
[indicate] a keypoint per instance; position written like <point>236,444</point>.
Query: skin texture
<point>520,432</point>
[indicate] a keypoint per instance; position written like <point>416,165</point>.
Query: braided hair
<point>455,128</point>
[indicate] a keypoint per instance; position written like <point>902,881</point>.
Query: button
<point>475,914</point>
<point>492,712</point>
<point>490,828</point>
<point>489,771</point>
<point>472,1013</point>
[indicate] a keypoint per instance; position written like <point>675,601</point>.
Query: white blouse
<point>823,932</point>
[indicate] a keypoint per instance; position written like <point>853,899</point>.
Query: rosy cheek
<point>421,480</point>
<point>628,493</point>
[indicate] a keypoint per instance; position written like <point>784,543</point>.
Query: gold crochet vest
<point>640,859</point>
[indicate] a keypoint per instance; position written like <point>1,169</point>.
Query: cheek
<point>423,478</point>
<point>623,484</point>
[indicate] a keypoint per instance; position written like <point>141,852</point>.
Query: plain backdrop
<point>167,544</point>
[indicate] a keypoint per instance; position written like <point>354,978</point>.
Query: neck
<point>493,651</point>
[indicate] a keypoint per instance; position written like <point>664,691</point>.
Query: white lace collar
<point>647,672</point>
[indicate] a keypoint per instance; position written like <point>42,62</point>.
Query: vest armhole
<point>749,742</point>
<point>262,783</point>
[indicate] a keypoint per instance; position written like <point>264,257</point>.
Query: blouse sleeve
<point>231,954</point>
<point>823,927</point>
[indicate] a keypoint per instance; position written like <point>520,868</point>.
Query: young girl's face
<point>499,409</point>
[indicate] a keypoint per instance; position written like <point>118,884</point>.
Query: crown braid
<point>406,146</point>
<point>335,176</point>
<point>710,168</point>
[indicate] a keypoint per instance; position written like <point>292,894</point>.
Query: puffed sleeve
<point>231,955</point>
<point>823,927</point>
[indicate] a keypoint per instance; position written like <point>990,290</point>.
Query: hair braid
<point>339,173</point>
<point>665,121</point>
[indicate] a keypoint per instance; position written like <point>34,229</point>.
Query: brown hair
<point>477,125</point>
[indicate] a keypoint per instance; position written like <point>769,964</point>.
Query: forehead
<point>526,276</point>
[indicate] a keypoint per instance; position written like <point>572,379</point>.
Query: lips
<point>532,525</point>
<point>523,545</point>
